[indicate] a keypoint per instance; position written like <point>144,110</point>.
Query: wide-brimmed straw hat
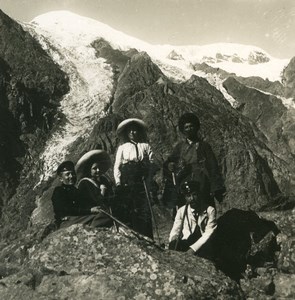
<point>99,156</point>
<point>123,125</point>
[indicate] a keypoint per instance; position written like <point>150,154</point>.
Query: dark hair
<point>188,118</point>
<point>142,135</point>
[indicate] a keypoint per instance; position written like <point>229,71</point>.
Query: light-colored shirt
<point>205,220</point>
<point>127,153</point>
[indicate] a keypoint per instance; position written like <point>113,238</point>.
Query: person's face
<point>132,133</point>
<point>68,177</point>
<point>95,171</point>
<point>192,199</point>
<point>190,131</point>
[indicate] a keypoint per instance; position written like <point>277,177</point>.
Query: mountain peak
<point>72,30</point>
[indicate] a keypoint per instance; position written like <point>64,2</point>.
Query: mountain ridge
<point>192,54</point>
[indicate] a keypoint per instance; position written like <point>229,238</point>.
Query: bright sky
<point>268,24</point>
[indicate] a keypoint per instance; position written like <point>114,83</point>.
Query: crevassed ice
<point>90,80</point>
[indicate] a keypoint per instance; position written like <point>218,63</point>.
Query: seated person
<point>194,223</point>
<point>94,185</point>
<point>68,205</point>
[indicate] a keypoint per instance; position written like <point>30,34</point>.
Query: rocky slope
<point>289,79</point>
<point>272,118</point>
<point>31,87</point>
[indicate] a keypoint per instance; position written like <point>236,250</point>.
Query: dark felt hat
<point>99,156</point>
<point>189,187</point>
<point>65,166</point>
<point>188,118</point>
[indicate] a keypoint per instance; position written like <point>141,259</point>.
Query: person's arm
<point>150,153</point>
<point>175,231</point>
<point>170,164</point>
<point>118,162</point>
<point>209,229</point>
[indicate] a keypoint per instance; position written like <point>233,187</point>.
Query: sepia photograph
<point>147,149</point>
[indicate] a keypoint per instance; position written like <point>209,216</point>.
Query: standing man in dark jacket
<point>192,160</point>
<point>68,204</point>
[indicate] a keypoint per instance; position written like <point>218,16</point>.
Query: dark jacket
<point>91,192</point>
<point>68,201</point>
<point>195,162</point>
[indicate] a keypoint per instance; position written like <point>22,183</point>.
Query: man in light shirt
<point>194,224</point>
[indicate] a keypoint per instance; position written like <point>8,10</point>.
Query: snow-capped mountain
<point>67,37</point>
<point>73,31</point>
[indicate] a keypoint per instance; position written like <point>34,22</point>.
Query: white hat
<point>99,156</point>
<point>122,126</point>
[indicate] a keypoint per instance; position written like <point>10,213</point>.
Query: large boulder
<point>275,280</point>
<point>84,263</point>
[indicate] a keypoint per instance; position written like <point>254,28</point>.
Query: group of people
<point>191,183</point>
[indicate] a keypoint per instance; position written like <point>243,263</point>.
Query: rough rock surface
<point>31,86</point>
<point>273,119</point>
<point>289,79</point>
<point>275,88</point>
<point>81,263</point>
<point>276,280</point>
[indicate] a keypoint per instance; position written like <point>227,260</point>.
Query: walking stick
<point>175,186</point>
<point>173,178</point>
<point>181,227</point>
<point>135,233</point>
<point>114,222</point>
<point>151,209</point>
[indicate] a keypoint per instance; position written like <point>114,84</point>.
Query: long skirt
<point>133,209</point>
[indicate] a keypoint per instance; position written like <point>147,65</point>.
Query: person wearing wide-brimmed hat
<point>194,224</point>
<point>132,173</point>
<point>192,159</point>
<point>93,184</point>
<point>68,203</point>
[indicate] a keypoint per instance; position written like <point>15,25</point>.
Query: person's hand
<point>190,251</point>
<point>171,166</point>
<point>103,189</point>
<point>95,209</point>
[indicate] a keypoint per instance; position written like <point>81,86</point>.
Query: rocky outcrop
<point>288,78</point>
<point>275,88</point>
<point>273,119</point>
<point>257,57</point>
<point>275,280</point>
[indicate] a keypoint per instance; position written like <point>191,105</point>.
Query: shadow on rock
<point>243,238</point>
